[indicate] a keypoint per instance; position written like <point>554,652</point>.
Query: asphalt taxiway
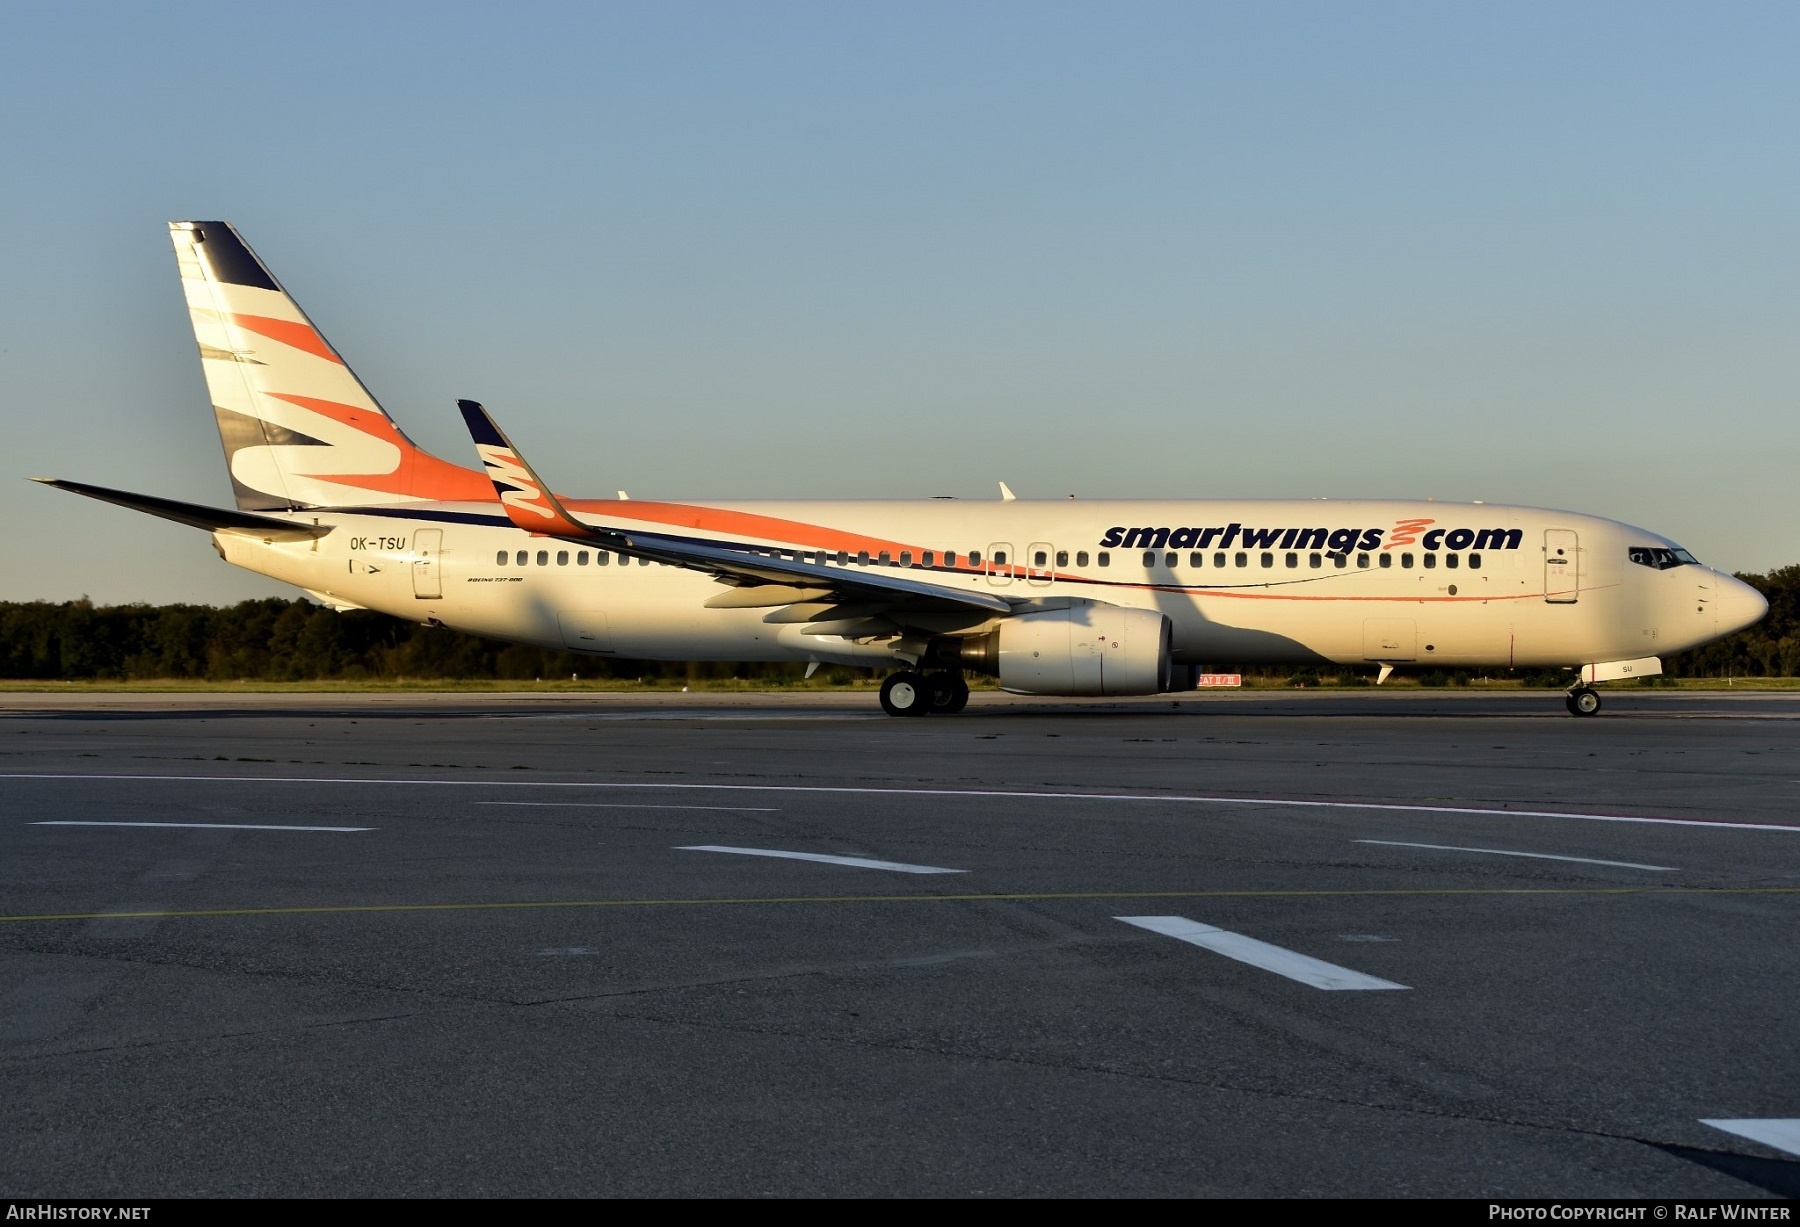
<point>1322,944</point>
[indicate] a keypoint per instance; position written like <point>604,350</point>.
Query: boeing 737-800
<point>1065,597</point>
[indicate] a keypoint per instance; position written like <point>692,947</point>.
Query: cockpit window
<point>1660,558</point>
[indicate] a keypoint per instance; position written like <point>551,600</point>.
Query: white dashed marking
<point>855,862</point>
<point>1536,856</point>
<point>1283,962</point>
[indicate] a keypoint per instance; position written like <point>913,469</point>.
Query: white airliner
<point>1066,597</point>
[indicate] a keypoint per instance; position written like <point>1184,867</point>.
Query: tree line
<point>297,641</point>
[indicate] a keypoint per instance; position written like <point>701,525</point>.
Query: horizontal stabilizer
<point>213,519</point>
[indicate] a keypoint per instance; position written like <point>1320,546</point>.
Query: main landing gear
<point>1582,701</point>
<point>916,694</point>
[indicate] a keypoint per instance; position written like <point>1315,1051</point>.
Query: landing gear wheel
<point>905,694</point>
<point>949,694</point>
<point>1582,702</point>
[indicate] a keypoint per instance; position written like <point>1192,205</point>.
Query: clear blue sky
<point>1536,253</point>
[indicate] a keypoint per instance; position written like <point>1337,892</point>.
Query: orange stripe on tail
<point>419,475</point>
<point>300,336</point>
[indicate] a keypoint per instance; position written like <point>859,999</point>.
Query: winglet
<point>1006,494</point>
<point>528,501</point>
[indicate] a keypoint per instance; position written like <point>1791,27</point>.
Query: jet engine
<point>1089,648</point>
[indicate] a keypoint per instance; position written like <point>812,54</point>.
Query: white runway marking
<point>1283,962</point>
<point>731,809</point>
<point>199,826</point>
<point>1000,793</point>
<point>1536,856</point>
<point>1781,1134</point>
<point>857,862</point>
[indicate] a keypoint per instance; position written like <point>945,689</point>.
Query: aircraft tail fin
<point>299,428</point>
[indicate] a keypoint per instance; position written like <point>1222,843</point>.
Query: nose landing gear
<point>1582,701</point>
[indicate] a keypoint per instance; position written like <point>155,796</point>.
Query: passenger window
<point>884,558</point>
<point>974,558</point>
<point>601,558</point>
<point>562,558</point>
<point>523,558</point>
<point>1105,559</point>
<point>1062,558</point>
<point>1268,560</point>
<point>1219,559</point>
<point>1452,561</point>
<point>1474,562</point>
<point>1406,560</point>
<point>1171,560</point>
<point>928,559</point>
<point>1387,560</point>
<point>1342,560</point>
<point>1430,562</point>
<point>843,559</point>
<point>500,559</point>
<point>999,558</point>
<point>906,558</point>
<point>1149,559</point>
<point>643,562</point>
<point>581,558</point>
<point>1039,558</point>
<point>543,558</point>
<point>950,558</point>
<point>1293,560</point>
<point>1243,559</point>
<point>1081,558</point>
<point>862,558</point>
<point>1315,562</point>
<point>1196,559</point>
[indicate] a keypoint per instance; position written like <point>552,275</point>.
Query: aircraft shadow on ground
<point>1778,1176</point>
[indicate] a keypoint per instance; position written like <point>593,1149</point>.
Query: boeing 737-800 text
<point>1069,597</point>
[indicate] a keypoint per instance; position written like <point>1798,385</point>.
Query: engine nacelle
<point>1086,649</point>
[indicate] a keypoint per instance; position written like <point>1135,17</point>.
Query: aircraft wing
<point>854,594</point>
<point>213,519</point>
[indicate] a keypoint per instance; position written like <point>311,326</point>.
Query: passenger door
<point>1040,567</point>
<point>1562,566</point>
<point>428,544</point>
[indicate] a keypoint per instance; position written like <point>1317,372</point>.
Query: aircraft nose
<point>1738,604</point>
